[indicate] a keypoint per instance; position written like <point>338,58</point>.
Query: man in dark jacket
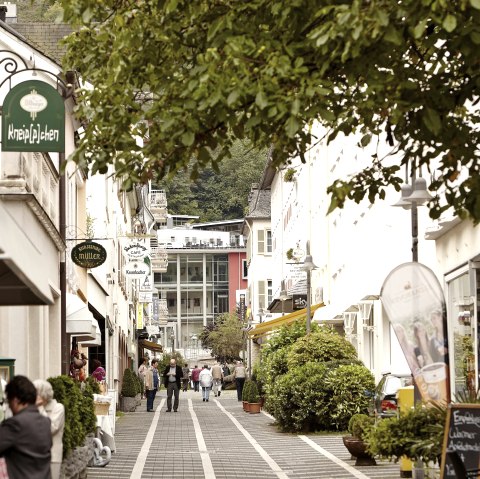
<point>172,378</point>
<point>25,438</point>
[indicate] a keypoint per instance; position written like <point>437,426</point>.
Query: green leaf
<point>188,138</point>
<point>261,100</point>
<point>291,126</point>
<point>450,23</point>
<point>475,4</point>
<point>432,121</point>
<point>233,97</point>
<point>366,139</point>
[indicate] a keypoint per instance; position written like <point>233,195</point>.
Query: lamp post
<point>412,196</point>
<point>283,296</point>
<point>172,337</point>
<point>308,266</point>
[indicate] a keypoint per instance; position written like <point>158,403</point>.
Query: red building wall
<point>235,280</point>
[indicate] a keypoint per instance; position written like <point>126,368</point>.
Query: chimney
<point>8,15</point>
<point>3,13</point>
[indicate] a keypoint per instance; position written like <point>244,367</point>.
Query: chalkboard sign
<point>461,445</point>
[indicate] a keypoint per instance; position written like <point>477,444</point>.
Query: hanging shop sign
<point>136,249</point>
<point>415,305</point>
<point>33,118</point>
<point>139,315</point>
<point>88,254</point>
<point>136,269</point>
<point>299,301</point>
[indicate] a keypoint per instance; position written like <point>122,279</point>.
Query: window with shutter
<point>261,294</point>
<point>261,241</point>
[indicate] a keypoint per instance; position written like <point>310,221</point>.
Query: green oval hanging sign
<point>33,118</point>
<point>89,254</point>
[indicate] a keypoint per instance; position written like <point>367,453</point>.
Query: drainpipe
<point>65,353</point>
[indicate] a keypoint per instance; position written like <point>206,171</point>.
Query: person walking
<point>56,413</point>
<point>239,376</point>
<point>172,377</point>
<point>25,438</point>
<point>195,377</point>
<point>206,381</point>
<point>217,375</point>
<point>185,378</point>
<point>142,371</point>
<point>151,384</point>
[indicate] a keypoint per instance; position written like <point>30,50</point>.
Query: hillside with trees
<point>217,195</point>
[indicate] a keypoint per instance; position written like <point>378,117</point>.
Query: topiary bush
<point>253,394</point>
<point>360,424</point>
<point>80,417</point>
<point>325,344</point>
<point>129,385</point>
<point>348,388</point>
<point>246,390</point>
<point>298,400</point>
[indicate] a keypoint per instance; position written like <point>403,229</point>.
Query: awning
<point>328,315</point>
<point>98,337</point>
<point>80,321</point>
<point>263,328</point>
<point>151,346</point>
<point>22,281</point>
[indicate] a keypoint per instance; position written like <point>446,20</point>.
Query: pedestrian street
<point>218,440</point>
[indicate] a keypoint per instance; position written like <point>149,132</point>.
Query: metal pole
<point>414,213</point>
<point>64,337</point>
<point>309,316</point>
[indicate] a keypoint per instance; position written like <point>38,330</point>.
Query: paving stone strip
<point>218,440</point>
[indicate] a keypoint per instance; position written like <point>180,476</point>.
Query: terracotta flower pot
<point>246,406</point>
<point>255,407</point>
<point>357,448</point>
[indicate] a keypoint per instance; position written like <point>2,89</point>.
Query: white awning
<point>98,337</point>
<point>80,321</point>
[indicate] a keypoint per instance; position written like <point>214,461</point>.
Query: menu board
<point>462,439</point>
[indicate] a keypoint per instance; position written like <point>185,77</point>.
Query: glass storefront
<point>462,338</point>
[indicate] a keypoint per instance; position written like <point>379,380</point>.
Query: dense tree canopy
<point>192,75</point>
<point>221,195</point>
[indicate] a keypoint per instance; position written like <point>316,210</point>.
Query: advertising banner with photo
<point>415,305</point>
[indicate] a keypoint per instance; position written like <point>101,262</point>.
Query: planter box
<point>138,397</point>
<point>254,407</point>
<point>128,404</point>
<point>74,466</point>
<point>246,406</point>
<point>357,448</point>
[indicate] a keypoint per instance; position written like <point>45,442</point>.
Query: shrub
<point>246,390</point>
<point>129,385</point>
<point>360,424</point>
<point>348,388</point>
<point>323,345</point>
<point>93,383</point>
<point>253,394</point>
<point>80,417</point>
<point>298,399</point>
<point>417,434</point>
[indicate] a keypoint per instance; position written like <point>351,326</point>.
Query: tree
<point>191,76</point>
<point>225,339</point>
<point>218,195</point>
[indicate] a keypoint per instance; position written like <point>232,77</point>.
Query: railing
<point>158,204</point>
<point>159,259</point>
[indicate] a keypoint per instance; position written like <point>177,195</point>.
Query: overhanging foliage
<point>190,76</point>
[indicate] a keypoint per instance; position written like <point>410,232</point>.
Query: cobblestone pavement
<point>218,440</point>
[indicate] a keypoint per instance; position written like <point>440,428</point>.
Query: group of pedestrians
<point>31,438</point>
<point>176,378</point>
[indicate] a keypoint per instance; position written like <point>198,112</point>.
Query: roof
<point>45,37</point>
<point>259,204</point>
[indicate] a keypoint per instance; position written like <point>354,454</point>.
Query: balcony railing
<point>159,259</point>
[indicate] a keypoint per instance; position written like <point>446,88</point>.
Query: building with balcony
<point>205,270</point>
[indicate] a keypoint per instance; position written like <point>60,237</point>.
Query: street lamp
<point>411,198</point>
<point>172,337</point>
<point>308,266</point>
<point>283,295</point>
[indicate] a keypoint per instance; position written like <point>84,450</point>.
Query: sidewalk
<point>218,440</point>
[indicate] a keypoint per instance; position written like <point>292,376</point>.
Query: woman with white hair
<point>56,412</point>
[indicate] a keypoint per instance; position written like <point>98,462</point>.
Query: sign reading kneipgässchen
<point>33,118</point>
<point>88,254</point>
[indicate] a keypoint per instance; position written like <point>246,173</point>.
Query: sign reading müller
<point>88,254</point>
<point>33,118</point>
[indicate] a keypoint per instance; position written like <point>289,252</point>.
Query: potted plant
<point>289,175</point>
<point>254,405</point>
<point>245,395</point>
<point>358,426</point>
<point>128,400</point>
